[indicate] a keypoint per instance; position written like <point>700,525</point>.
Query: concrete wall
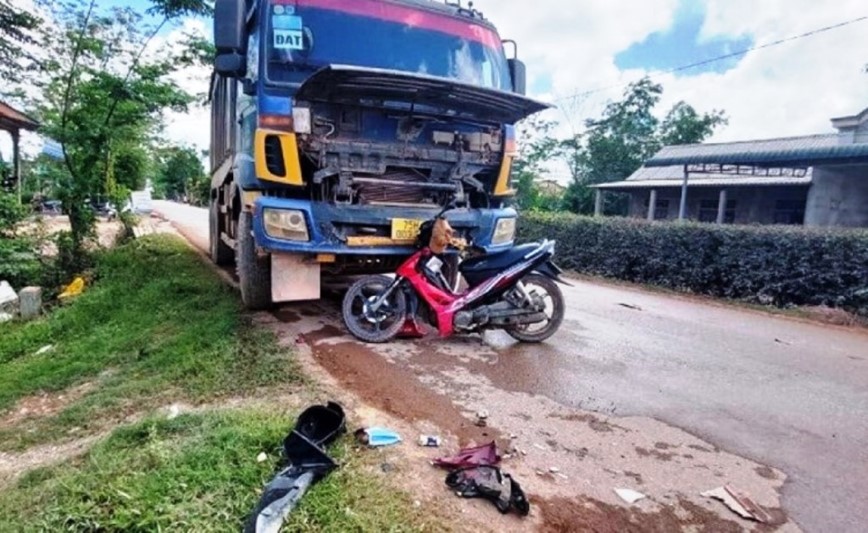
<point>839,197</point>
<point>754,205</point>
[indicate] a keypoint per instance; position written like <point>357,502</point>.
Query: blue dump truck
<point>339,125</point>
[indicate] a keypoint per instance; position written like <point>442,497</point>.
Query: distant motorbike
<point>513,290</point>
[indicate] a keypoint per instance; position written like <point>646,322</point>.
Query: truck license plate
<point>405,229</point>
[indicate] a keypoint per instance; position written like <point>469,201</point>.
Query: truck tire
<point>254,272</point>
<point>221,253</point>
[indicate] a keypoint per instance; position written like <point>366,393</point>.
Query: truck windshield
<point>305,35</point>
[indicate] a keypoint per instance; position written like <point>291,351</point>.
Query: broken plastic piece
<point>739,503</point>
<point>479,456</point>
<point>304,447</point>
<point>377,437</point>
<point>491,483</point>
<point>73,289</point>
<point>629,495</point>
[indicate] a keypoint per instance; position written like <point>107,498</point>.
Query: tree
<point>629,132</point>
<point>537,148</point>
<point>683,125</point>
<point>102,97</point>
<point>180,173</point>
<point>16,27</point>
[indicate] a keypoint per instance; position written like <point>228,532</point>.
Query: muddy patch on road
<point>390,387</point>
<point>563,515</point>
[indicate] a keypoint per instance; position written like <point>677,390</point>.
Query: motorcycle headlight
<point>285,224</point>
<point>504,231</point>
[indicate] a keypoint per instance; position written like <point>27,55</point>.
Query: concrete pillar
<point>721,207</point>
<point>682,209</point>
<point>30,302</point>
<point>652,204</point>
<point>16,160</point>
<point>598,203</point>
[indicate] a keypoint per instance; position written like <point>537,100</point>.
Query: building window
<point>661,209</point>
<point>708,211</point>
<point>790,212</point>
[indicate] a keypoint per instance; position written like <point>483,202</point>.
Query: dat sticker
<point>288,34</point>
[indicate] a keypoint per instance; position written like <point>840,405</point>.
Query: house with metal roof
<point>815,180</point>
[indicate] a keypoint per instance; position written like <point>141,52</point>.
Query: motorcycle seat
<point>497,261</point>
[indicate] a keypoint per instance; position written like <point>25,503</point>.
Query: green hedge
<point>772,265</point>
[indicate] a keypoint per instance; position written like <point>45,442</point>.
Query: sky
<point>594,48</point>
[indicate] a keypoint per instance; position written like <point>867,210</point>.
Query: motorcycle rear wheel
<point>555,308</point>
<point>374,326</point>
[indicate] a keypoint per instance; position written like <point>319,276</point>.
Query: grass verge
<point>197,472</point>
<point>159,327</point>
<point>156,327</point>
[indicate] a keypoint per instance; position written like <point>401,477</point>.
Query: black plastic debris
<point>474,474</point>
<point>306,463</point>
<point>491,483</point>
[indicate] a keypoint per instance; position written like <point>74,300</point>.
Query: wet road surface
<point>786,393</point>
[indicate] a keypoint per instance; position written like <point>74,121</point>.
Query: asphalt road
<point>786,393</point>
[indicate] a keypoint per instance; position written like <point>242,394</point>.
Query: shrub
<point>777,265</point>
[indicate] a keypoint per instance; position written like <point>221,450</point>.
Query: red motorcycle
<point>513,290</point>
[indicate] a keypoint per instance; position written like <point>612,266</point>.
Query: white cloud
<point>791,89</point>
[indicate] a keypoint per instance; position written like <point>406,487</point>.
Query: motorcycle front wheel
<point>363,321</point>
<point>551,295</point>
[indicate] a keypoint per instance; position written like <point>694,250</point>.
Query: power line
<point>721,58</point>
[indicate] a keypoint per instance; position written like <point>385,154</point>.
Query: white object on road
<point>629,495</point>
<point>739,503</point>
<point>141,202</point>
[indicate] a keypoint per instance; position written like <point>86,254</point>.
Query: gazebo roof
<point>11,119</point>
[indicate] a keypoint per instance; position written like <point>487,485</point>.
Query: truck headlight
<point>285,224</point>
<point>301,120</point>
<point>504,231</point>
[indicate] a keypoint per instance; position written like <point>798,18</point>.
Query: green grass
<point>197,473</point>
<point>156,327</point>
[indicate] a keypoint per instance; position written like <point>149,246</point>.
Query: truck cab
<point>338,126</point>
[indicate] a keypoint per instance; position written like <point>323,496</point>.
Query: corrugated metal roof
<point>661,177</point>
<point>810,150</point>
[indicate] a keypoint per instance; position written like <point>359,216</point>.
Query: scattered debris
<point>304,450</point>
<point>554,470</point>
<point>430,441</point>
<point>262,457</point>
<point>491,483</point>
<point>474,475</point>
<point>377,437</point>
<point>629,495</point>
<point>630,306</point>
<point>739,503</point>
<point>479,456</point>
<point>73,289</point>
<point>482,418</point>
<point>785,343</point>
<point>45,349</point>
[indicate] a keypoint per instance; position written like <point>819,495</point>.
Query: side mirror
<point>518,73</point>
<point>230,37</point>
<point>231,65</point>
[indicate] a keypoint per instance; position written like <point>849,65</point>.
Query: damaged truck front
<point>339,125</point>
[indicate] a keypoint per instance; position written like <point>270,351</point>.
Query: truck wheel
<point>254,272</point>
<point>221,254</point>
